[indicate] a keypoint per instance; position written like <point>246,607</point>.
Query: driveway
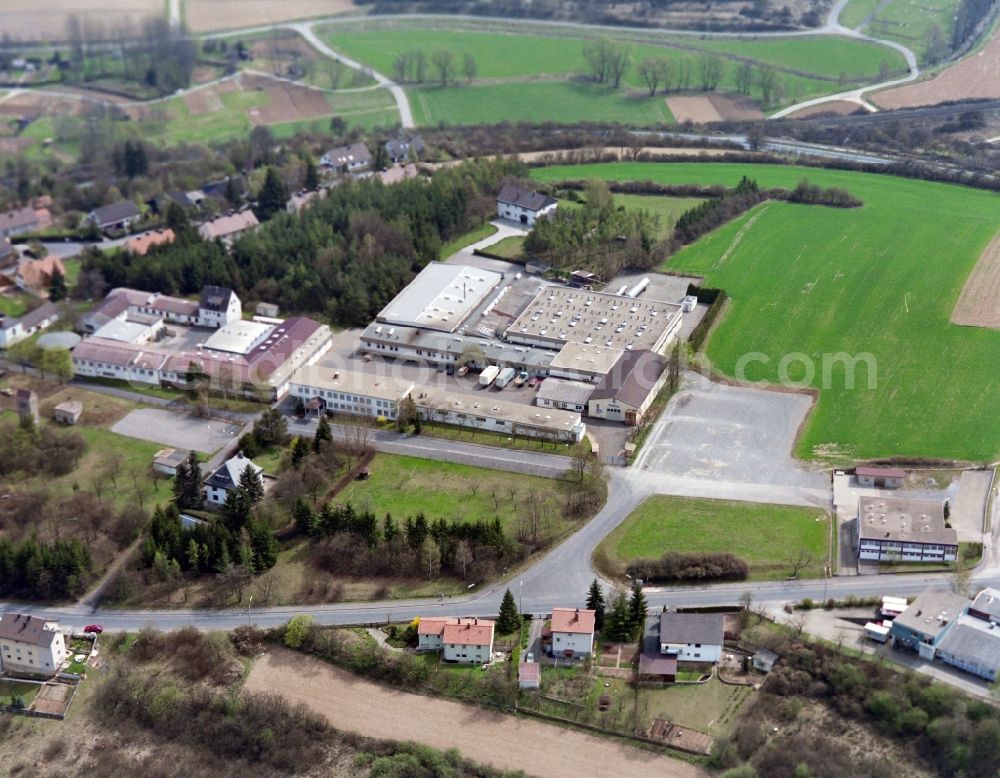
<point>969,507</point>
<point>353,704</point>
<point>730,442</point>
<point>178,430</point>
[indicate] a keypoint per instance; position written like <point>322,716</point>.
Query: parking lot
<point>177,430</point>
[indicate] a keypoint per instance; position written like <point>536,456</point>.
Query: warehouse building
<point>629,388</point>
<point>346,391</point>
<point>564,395</point>
<point>900,529</point>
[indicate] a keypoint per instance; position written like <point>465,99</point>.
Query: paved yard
<point>177,429</point>
<point>719,434</point>
<point>506,742</point>
<point>968,507</point>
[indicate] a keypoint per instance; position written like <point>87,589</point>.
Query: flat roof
<point>560,314</point>
<point>564,390</point>
<point>123,331</point>
<point>238,337</point>
<point>904,520</point>
<point>486,404</point>
<point>932,611</point>
<point>352,382</point>
<point>880,472</point>
<point>441,297</point>
<point>988,603</point>
<point>587,358</point>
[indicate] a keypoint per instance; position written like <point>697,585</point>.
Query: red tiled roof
<point>469,632</point>
<point>39,272</point>
<point>573,620</point>
<point>143,243</point>
<point>223,226</point>
<point>432,626</point>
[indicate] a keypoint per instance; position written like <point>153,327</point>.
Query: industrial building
<point>629,388</point>
<point>346,391</point>
<point>899,529</point>
<point>564,395</point>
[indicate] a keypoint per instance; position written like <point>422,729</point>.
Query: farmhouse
<point>572,632</point>
<point>468,641</point>
<point>347,159</point>
<point>30,646</point>
<point>441,297</point>
<point>116,216</point>
<point>880,477</point>
<point>629,388</point>
<point>23,220</point>
<point>227,477</point>
<point>523,205</point>
<point>900,529</point>
<point>14,330</point>
<point>350,392</point>
<point>141,244</point>
<point>692,637</point>
<point>564,395</point>
<point>404,149</point>
<point>228,226</point>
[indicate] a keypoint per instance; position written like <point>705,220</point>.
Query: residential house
<point>880,477</point>
<point>922,626</point>
<point>116,216</point>
<point>692,637</point>
<point>13,330</point>
<point>564,394</point>
<point>228,226</point>
<point>217,306</point>
<point>140,244</point>
<point>68,412</point>
<point>628,389</point>
<point>347,159</point>
<point>468,641</point>
<point>35,275</point>
<point>430,632</point>
<point>30,646</point>
<point>30,218</point>
<point>572,632</point>
<point>404,149</point>
<point>227,477</point>
<point>523,205</point>
<point>900,529</point>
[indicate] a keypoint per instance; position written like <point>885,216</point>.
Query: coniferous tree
<point>252,484</point>
<point>323,434</point>
<point>264,546</point>
<point>273,196</point>
<point>311,178</point>
<point>300,450</point>
<point>637,611</point>
<point>595,602</point>
<point>57,288</point>
<point>509,620</point>
<point>192,484</point>
<point>618,625</point>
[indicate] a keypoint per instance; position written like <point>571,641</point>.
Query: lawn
<point>876,283</point>
<point>14,304</point>
<point>667,208</point>
<point>474,235</point>
<point>709,707</point>
<point>405,486</point>
<point>909,21</point>
<point>856,11</point>
<point>763,535</point>
<point>26,691</point>
<point>509,248</point>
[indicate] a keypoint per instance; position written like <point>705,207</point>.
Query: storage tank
<point>638,289</point>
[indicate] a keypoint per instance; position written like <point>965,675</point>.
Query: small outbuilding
<point>529,675</point>
<point>880,477</point>
<point>765,660</point>
<point>167,460</point>
<point>68,412</point>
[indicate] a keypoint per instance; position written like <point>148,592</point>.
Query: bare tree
<point>651,73</point>
<point>463,556</point>
<point>235,578</point>
<point>710,69</point>
<point>469,68</point>
<point>798,560</point>
<point>444,63</point>
<point>767,78</point>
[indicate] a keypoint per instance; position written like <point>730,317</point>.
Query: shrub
<point>297,630</point>
<point>674,566</point>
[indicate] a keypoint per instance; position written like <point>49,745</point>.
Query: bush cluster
<point>674,566</point>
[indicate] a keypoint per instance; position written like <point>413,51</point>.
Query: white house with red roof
<point>572,632</point>
<point>429,633</point>
<point>468,641</point>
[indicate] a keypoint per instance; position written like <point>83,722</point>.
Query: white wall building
<point>468,641</point>
<point>30,646</point>
<point>523,205</point>
<point>224,480</point>
<point>572,632</point>
<point>692,637</point>
<point>218,306</point>
<point>898,529</point>
<point>350,392</point>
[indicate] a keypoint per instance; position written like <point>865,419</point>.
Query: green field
<point>472,236</point>
<point>405,486</point>
<point>856,11</point>
<point>909,21</point>
<point>878,280</point>
<point>667,208</point>
<point>538,77</point>
<point>763,535</point>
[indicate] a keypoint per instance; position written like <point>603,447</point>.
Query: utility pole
<point>249,603</point>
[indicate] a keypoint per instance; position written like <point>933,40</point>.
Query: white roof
<point>441,297</point>
<point>361,384</point>
<point>123,331</point>
<point>238,337</point>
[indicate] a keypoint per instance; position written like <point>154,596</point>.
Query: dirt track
<point>209,15</point>
<point>973,77</point>
<point>977,304</point>
<point>506,742</point>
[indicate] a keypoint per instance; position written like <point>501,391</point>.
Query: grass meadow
<point>908,22</point>
<point>879,280</point>
<point>763,535</point>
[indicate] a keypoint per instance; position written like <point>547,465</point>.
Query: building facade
<point>692,637</point>
<point>523,205</point>
<point>898,529</point>
<point>468,641</point>
<point>30,646</point>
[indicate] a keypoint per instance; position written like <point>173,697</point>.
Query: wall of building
<point>476,655</point>
<point>692,652</point>
<point>968,666</point>
<point>882,550</point>
<point>27,658</point>
<point>580,644</point>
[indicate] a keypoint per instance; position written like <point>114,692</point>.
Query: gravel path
<point>506,742</point>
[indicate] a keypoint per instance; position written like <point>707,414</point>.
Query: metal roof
<point>441,297</point>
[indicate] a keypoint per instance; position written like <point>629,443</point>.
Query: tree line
<point>442,66</point>
<point>346,257</point>
<point>676,567</point>
<point>33,570</point>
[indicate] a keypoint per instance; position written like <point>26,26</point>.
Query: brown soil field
<point>207,100</point>
<point>712,108</point>
<point>36,104</point>
<point>287,102</point>
<point>837,107</point>
<point>507,742</point>
<point>974,77</point>
<point>979,303</point>
<point>12,146</point>
<point>285,47</point>
<point>212,15</point>
<point>46,21</point>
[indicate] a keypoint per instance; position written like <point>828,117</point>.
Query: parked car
<point>533,382</point>
<point>97,629</point>
<point>463,370</point>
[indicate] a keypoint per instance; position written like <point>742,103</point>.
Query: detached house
<point>30,646</point>
<point>224,480</point>
<point>430,631</point>
<point>347,159</point>
<point>21,220</point>
<point>692,637</point>
<point>403,149</point>
<point>468,641</point>
<point>218,306</point>
<point>117,216</point>
<point>14,330</point>
<point>572,632</point>
<point>523,205</point>
<point>35,275</point>
<point>227,227</point>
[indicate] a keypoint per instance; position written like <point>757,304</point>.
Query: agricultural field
<point>856,11</point>
<point>211,15</point>
<point>534,76</point>
<point>765,536</point>
<point>909,22</point>
<point>876,283</point>
<point>29,22</point>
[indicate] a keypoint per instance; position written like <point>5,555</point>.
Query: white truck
<point>488,374</point>
<point>507,375</point>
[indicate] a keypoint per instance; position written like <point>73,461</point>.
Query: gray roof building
<point>631,379</point>
<point>399,149</point>
<point>931,613</point>
<point>904,520</point>
<point>510,194</point>
<point>24,628</point>
<point>559,392</point>
<point>704,628</point>
<point>973,645</point>
<point>115,213</point>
